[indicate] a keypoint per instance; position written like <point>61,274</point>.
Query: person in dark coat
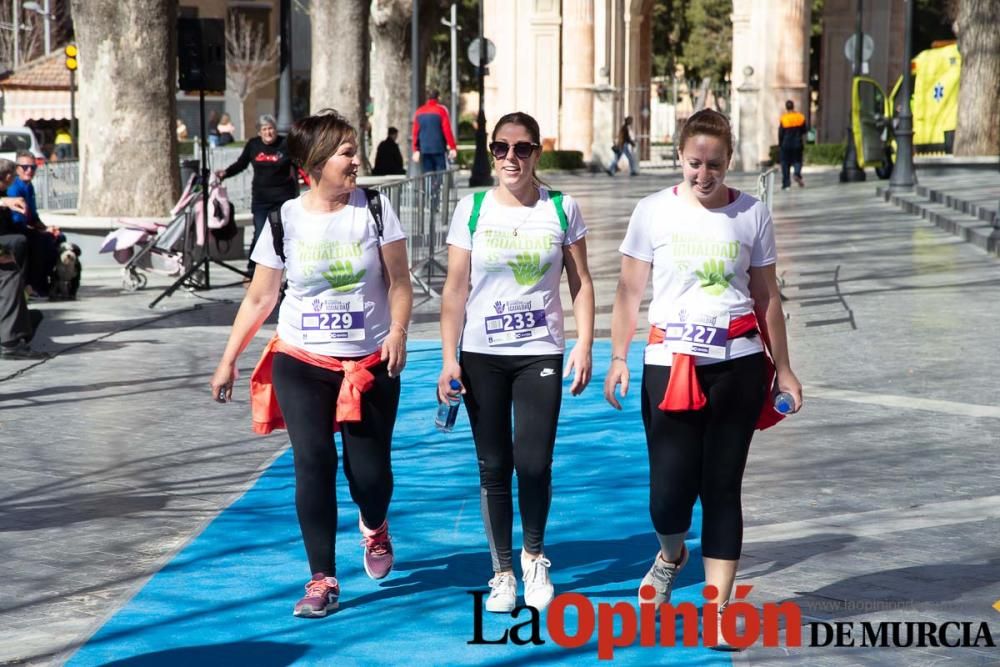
<point>16,322</point>
<point>388,158</point>
<point>792,130</point>
<point>274,177</point>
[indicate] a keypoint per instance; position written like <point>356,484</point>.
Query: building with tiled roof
<point>36,94</point>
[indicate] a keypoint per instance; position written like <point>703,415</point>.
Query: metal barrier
<point>765,186</point>
<point>57,185</point>
<point>424,205</point>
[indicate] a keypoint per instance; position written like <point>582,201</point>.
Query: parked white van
<point>14,139</point>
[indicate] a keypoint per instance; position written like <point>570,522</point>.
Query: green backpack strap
<point>477,203</point>
<point>554,195</point>
<point>557,200</point>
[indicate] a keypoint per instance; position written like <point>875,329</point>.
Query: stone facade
<point>581,98</point>
<point>884,22</point>
<point>578,66</point>
<point>770,66</point>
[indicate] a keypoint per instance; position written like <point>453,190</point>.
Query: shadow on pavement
<point>262,654</point>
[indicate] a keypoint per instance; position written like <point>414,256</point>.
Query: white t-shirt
<point>517,262</point>
<point>336,302</point>
<point>701,261</point>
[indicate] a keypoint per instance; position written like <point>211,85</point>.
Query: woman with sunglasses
<point>507,249</point>
<point>715,314</point>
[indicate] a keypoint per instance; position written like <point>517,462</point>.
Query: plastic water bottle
<point>784,402</point>
<point>448,411</point>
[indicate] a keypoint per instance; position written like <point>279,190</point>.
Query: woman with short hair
<point>340,346</point>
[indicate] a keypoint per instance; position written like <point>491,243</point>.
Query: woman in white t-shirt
<point>340,346</point>
<point>512,243</point>
<point>706,377</point>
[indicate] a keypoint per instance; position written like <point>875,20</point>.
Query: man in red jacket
<point>432,136</point>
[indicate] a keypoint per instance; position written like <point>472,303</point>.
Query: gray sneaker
<point>503,593</point>
<point>661,577</point>
<point>721,644</point>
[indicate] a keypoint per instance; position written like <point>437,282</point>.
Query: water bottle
<point>784,402</point>
<point>448,411</point>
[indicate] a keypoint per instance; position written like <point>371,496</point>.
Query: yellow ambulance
<point>934,103</point>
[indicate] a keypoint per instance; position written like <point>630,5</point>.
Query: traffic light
<point>71,53</point>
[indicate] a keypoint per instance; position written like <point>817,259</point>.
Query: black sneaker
<point>21,350</point>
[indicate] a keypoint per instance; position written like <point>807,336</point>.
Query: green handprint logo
<point>714,278</point>
<point>341,276</point>
<point>527,268</point>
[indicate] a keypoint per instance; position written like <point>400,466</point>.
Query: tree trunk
<point>340,64</point>
<point>978,130</point>
<point>390,70</point>
<point>127,106</point>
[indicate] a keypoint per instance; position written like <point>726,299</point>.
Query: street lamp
<point>284,119</point>
<point>902,177</point>
<point>481,163</point>
<point>850,171</point>
<point>43,11</point>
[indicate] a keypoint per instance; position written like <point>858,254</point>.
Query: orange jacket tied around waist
<point>684,390</point>
<point>264,404</point>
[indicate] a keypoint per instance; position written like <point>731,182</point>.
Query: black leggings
<point>703,453</point>
<point>307,396</point>
<point>533,386</point>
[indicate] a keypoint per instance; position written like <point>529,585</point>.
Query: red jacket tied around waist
<point>264,404</point>
<point>683,388</point>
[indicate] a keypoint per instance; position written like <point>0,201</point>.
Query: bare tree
<point>340,65</point>
<point>978,130</point>
<point>251,62</point>
<point>127,82</point>
<point>390,62</point>
<point>390,68</point>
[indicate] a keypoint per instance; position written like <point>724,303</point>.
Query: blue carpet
<point>227,598</point>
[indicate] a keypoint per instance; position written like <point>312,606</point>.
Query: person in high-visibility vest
<point>791,140</point>
<point>63,143</point>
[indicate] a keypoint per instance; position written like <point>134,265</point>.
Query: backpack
<point>221,215</point>
<point>278,228</point>
<point>555,197</point>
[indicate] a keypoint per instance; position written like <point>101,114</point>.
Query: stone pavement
<point>878,502</point>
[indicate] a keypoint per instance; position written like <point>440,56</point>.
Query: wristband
<point>615,357</point>
<point>401,327</point>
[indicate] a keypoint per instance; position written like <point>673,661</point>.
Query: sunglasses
<point>522,149</point>
<point>32,167</point>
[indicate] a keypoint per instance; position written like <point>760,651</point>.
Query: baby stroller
<point>167,248</point>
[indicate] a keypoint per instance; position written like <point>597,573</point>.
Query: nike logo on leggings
<point>547,372</point>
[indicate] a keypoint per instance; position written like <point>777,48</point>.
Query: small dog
<point>66,275</point>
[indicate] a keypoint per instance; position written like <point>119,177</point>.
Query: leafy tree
<point>932,20</point>
<point>670,32</point>
<point>708,49</point>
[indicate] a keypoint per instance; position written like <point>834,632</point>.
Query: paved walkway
<point>878,502</point>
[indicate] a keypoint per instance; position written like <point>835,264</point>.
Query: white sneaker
<point>503,593</point>
<point>538,590</point>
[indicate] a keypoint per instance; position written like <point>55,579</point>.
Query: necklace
<point>523,220</point>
